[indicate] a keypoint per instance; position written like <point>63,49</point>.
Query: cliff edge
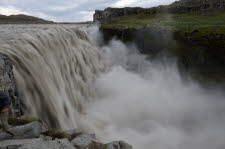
<point>182,6</point>
<point>193,31</point>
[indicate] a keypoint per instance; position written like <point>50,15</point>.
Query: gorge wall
<point>8,85</point>
<point>192,32</point>
<point>182,6</point>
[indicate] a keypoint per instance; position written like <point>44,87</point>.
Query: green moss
<point>22,121</point>
<point>56,133</point>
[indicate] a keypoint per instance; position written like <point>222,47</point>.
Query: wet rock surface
<point>8,85</point>
<point>32,130</point>
<point>31,136</point>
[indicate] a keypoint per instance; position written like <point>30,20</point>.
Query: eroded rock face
<point>8,85</point>
<point>184,6</point>
<point>109,13</point>
<point>181,6</point>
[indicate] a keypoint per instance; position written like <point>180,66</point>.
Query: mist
<point>149,105</point>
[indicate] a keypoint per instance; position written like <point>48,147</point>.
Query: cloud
<point>10,10</point>
<point>87,15</point>
<point>123,3</point>
<point>62,8</point>
<point>69,10</point>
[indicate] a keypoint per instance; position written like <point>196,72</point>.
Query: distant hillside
<point>22,19</point>
<point>181,6</point>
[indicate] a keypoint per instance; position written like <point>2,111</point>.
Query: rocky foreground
<point>32,133</point>
<point>35,135</point>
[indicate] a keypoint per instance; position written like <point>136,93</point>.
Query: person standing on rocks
<point>5,103</point>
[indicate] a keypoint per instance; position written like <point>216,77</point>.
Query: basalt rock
<point>182,6</point>
<point>36,144</point>
<point>29,131</point>
<point>29,136</point>
<point>8,85</point>
<point>110,13</point>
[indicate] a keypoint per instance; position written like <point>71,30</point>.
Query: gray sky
<point>69,10</point>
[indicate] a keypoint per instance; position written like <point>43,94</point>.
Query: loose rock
<point>56,144</point>
<point>83,141</point>
<point>29,131</point>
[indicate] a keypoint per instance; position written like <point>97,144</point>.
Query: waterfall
<point>54,70</point>
<point>70,79</point>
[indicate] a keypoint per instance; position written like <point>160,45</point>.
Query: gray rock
<point>118,145</point>
<point>113,145</point>
<point>83,141</point>
<point>46,138</point>
<point>5,136</point>
<point>36,144</point>
<point>124,145</point>
<point>56,144</point>
<point>29,131</point>
<point>8,85</point>
<point>14,144</point>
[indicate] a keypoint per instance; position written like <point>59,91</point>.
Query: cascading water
<point>144,103</point>
<point>54,69</point>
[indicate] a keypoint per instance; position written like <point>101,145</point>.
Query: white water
<point>144,103</point>
<point>151,107</point>
<point>54,68</point>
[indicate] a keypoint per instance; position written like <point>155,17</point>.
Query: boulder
<point>83,141</point>
<point>14,144</point>
<point>36,144</point>
<point>56,144</point>
<point>5,136</point>
<point>31,130</point>
<point>118,145</point>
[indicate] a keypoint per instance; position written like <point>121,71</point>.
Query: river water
<point>70,81</point>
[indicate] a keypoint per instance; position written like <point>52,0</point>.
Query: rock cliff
<point>8,85</point>
<point>192,31</point>
<point>182,6</point>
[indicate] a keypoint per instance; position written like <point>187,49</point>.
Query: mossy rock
<point>57,134</point>
<point>75,135</point>
<point>22,121</point>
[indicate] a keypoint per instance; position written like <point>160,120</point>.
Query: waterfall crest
<point>54,69</point>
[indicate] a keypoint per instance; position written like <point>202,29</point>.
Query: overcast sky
<point>69,10</point>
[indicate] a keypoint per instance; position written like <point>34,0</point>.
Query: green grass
<point>170,21</point>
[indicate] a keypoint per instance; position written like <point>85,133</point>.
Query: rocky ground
<point>35,135</point>
<point>32,133</point>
